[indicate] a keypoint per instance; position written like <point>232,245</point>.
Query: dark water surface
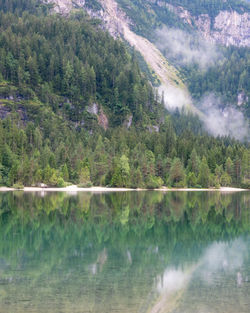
<point>151,252</point>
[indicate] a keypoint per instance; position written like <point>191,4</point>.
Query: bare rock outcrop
<point>232,28</point>
<point>65,6</point>
<point>228,27</point>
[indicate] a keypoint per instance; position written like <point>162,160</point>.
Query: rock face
<point>232,28</point>
<point>228,27</point>
<point>65,6</point>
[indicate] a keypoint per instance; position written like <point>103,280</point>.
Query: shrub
<point>154,182</point>
<point>61,183</point>
<point>18,186</point>
<point>85,185</point>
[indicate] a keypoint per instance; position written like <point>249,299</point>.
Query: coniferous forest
<point>75,108</point>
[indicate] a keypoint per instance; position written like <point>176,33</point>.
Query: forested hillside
<point>227,77</point>
<point>75,108</point>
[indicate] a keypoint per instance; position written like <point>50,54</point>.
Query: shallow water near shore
<point>125,252</point>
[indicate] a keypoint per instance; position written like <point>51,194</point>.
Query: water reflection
<point>124,252</point>
<point>219,261</point>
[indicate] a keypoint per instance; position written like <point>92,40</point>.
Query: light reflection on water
<point>224,267</point>
<point>125,252</point>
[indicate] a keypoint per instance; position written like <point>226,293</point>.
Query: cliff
<point>228,27</point>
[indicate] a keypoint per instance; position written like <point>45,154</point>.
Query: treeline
<point>210,7</point>
<point>55,155</point>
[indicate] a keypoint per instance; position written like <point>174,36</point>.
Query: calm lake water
<point>151,252</point>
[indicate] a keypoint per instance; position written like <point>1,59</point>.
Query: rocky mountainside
<point>119,25</point>
<point>227,27</point>
<point>223,22</point>
<point>76,108</point>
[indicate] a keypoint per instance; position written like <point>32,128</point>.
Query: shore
<point>74,188</point>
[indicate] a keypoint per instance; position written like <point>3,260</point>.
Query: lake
<point>125,252</point>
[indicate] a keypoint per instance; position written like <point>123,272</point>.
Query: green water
<point>127,252</point>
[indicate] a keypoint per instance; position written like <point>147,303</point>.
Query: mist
<point>174,97</point>
<point>221,120</point>
<point>186,48</point>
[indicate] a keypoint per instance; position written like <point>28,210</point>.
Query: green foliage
<point>52,70</point>
<point>204,174</point>
<point>18,186</point>
<point>154,182</point>
<point>68,64</point>
<point>209,7</point>
<point>60,183</point>
<point>227,79</point>
<point>84,176</point>
<point>55,154</point>
<point>121,172</point>
<point>177,176</point>
<point>191,179</point>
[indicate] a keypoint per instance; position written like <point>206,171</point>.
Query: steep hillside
<point>224,22</point>
<point>118,24</point>
<point>140,23</point>
<point>187,32</point>
<point>75,108</point>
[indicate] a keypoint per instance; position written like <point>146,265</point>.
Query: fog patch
<point>174,97</point>
<point>186,48</point>
<point>220,120</point>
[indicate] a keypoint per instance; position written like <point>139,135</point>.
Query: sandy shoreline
<point>74,188</point>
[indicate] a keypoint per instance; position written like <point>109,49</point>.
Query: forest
<point>228,78</point>
<point>76,109</point>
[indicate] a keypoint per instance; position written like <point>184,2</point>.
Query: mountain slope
<point>76,108</point>
<point>224,22</point>
<point>119,25</point>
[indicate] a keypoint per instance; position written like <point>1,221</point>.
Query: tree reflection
<point>120,240</point>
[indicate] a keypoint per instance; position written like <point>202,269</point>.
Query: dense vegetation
<point>76,108</point>
<point>210,7</point>
<point>228,79</point>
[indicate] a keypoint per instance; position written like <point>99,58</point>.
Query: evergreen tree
<point>204,174</point>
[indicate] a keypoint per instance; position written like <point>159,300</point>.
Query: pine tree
<point>204,174</point>
<point>177,174</point>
